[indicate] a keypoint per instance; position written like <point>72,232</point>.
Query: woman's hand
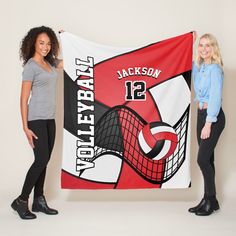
<point>206,131</point>
<point>30,136</point>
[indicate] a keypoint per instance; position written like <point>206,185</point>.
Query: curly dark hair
<point>27,48</point>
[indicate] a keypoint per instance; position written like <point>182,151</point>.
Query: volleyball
<point>157,140</point>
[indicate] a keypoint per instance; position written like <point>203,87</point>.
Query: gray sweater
<point>42,102</point>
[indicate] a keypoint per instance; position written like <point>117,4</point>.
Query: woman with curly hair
<point>208,82</point>
<point>39,51</point>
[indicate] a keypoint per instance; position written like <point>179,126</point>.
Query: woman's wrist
<point>208,124</point>
<point>25,127</point>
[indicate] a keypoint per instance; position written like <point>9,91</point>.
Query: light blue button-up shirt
<point>208,84</point>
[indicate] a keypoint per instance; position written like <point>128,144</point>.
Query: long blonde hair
<point>216,56</point>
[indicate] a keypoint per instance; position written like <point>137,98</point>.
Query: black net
<point>117,133</point>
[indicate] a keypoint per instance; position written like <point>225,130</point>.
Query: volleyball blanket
<point>126,114</point>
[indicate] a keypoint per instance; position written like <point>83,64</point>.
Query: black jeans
<point>206,150</point>
<point>45,131</point>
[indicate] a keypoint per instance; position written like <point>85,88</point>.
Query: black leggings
<point>45,131</point>
<point>206,150</point>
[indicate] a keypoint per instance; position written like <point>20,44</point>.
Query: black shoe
<point>196,208</point>
<point>40,204</point>
<point>208,208</point>
<point>22,209</point>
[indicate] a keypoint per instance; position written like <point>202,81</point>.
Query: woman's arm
<point>59,64</point>
<point>25,93</point>
<point>194,36</point>
<point>214,103</point>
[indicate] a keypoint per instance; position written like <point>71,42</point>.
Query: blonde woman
<point>208,82</point>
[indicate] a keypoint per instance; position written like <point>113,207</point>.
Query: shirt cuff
<point>211,119</point>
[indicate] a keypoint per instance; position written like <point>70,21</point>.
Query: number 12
<point>135,90</point>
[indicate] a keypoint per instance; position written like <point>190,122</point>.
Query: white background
<point>115,23</point>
